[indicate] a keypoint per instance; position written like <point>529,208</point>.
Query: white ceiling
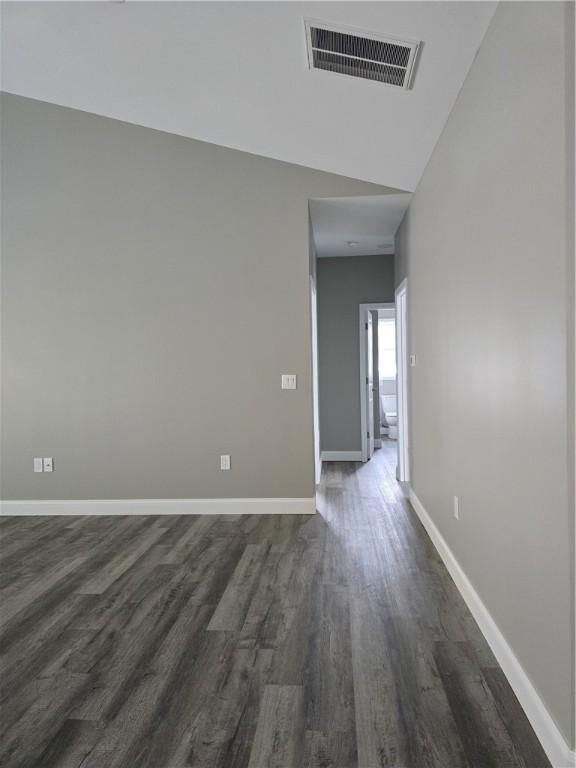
<point>235,73</point>
<point>357,226</point>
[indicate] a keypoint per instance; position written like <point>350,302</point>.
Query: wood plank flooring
<point>332,641</point>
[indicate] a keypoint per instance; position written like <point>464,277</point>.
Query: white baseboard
<point>558,751</point>
<point>341,455</point>
<point>161,507</point>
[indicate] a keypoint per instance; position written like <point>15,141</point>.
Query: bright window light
<point>386,348</point>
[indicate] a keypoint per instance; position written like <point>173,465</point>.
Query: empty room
<point>287,466</point>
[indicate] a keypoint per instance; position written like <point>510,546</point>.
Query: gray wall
<point>154,290</point>
<point>487,245</point>
<point>343,284</point>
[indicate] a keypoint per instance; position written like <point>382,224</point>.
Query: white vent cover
<point>360,54</point>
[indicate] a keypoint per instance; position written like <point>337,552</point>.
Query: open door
<point>369,385</point>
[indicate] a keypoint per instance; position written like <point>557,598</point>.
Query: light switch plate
<point>48,465</point>
<point>225,461</point>
<point>288,381</point>
<point>38,465</point>
<point>412,361</point>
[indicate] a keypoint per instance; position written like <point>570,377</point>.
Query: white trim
<point>161,507</point>
<point>402,381</point>
<point>362,309</point>
<point>318,471</point>
<point>314,364</point>
<point>558,751</point>
<point>341,455</point>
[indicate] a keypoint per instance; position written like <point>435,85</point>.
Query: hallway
<point>428,691</point>
<point>331,641</point>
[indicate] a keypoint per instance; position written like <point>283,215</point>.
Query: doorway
<point>351,250</point>
<point>370,383</point>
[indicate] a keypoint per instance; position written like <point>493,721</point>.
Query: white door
<point>369,384</point>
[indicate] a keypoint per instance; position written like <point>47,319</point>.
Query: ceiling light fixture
<point>352,243</point>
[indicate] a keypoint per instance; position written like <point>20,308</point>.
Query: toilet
<point>389,416</point>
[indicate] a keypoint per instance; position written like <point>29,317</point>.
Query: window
<point>386,348</point>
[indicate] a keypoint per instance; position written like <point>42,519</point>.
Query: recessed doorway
<point>376,323</point>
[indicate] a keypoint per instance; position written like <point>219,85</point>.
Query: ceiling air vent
<point>360,54</point>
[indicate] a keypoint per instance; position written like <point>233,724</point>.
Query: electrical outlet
<point>48,465</point>
<point>456,508</point>
<point>225,461</point>
<point>288,381</point>
<point>38,465</point>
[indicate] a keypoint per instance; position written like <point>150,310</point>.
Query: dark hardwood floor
<point>331,641</point>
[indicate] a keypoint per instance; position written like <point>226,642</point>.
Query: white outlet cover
<point>289,381</point>
<point>39,465</point>
<point>48,465</point>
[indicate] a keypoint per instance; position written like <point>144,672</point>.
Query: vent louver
<point>357,54</point>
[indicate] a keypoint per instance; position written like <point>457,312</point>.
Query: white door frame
<point>315,393</point>
<point>401,297</point>
<point>363,309</point>
<point>369,386</point>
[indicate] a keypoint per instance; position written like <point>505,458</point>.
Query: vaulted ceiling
<point>236,74</point>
